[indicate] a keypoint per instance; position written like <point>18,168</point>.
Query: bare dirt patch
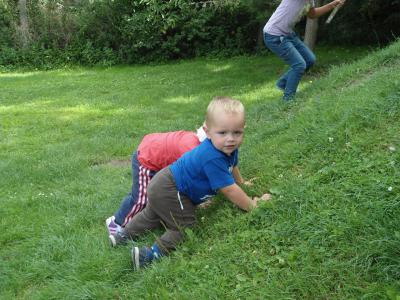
<point>118,163</point>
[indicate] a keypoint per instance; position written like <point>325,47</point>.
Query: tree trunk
<point>310,37</point>
<point>23,28</point>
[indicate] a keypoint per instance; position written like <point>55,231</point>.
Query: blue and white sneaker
<point>142,257</point>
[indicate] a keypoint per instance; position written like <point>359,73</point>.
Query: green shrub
<point>110,32</point>
<point>6,29</point>
<point>150,30</point>
<point>122,31</point>
<point>364,22</point>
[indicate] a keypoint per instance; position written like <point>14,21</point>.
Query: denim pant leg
<point>305,52</point>
<point>131,199</point>
<point>294,53</point>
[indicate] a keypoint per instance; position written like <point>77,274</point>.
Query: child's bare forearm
<point>236,195</point>
<point>320,11</point>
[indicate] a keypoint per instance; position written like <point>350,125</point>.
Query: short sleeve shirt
<point>285,17</point>
<point>158,150</point>
<point>201,172</point>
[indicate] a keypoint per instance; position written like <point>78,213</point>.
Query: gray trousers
<point>165,208</point>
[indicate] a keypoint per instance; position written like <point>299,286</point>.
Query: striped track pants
<point>144,177</point>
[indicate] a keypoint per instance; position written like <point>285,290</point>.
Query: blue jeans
<point>294,53</point>
<point>136,200</point>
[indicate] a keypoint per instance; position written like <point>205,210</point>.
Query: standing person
<point>281,39</point>
<point>199,174</point>
<point>155,152</point>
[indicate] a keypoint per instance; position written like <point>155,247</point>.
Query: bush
<point>149,30</point>
<point>109,32</point>
<point>6,28</point>
<point>373,22</point>
<point>125,31</point>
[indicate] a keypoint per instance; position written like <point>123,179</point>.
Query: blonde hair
<point>226,104</point>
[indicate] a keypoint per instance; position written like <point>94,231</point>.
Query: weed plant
<point>331,160</point>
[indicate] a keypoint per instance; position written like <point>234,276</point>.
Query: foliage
<point>108,32</point>
<point>6,26</point>
<point>150,30</point>
<point>124,31</point>
<point>54,24</point>
<point>261,9</point>
<point>365,22</point>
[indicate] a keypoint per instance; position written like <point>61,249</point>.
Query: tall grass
<point>331,160</point>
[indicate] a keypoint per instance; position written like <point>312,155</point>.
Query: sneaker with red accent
<point>112,227</point>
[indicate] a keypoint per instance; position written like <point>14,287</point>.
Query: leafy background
<point>109,32</point>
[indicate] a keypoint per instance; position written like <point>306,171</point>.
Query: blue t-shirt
<point>201,172</point>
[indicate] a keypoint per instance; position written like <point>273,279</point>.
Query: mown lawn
<point>331,160</point>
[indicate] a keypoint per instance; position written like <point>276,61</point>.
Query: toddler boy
<point>199,174</point>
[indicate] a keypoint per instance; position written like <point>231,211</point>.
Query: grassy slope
<point>331,232</point>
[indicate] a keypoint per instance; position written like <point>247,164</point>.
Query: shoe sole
<point>108,221</point>
<point>113,242</point>
<point>135,258</point>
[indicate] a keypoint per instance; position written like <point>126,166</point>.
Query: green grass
<point>331,231</point>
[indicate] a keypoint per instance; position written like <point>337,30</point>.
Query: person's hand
<point>338,3</point>
<point>264,197</point>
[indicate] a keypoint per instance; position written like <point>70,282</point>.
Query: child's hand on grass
<point>264,197</point>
